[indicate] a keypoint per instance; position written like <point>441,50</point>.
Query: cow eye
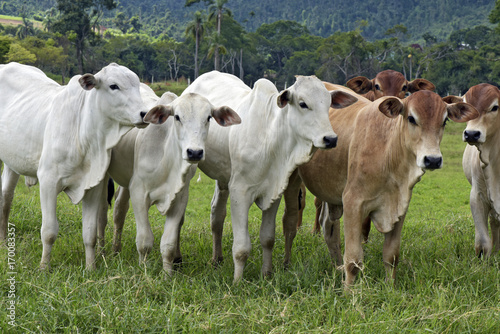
<point>208,119</point>
<point>495,108</point>
<point>303,105</point>
<point>114,87</point>
<point>411,119</point>
<point>404,88</point>
<point>377,87</point>
<point>177,118</point>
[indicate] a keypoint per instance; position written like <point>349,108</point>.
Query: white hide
<point>63,135</point>
<point>155,166</point>
<point>252,162</point>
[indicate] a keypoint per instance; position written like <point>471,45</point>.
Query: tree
<point>196,28</point>
<point>121,22</point>
<point>75,20</point>
<point>21,55</point>
<point>216,12</point>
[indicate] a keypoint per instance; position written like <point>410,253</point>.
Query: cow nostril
<point>433,162</point>
<point>142,113</point>
<point>472,136</point>
<point>330,142</point>
<point>194,155</point>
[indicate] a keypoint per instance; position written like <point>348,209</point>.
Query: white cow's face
<point>192,114</point>
<point>309,101</point>
<point>117,94</point>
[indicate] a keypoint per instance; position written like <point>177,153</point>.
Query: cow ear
<point>225,116</point>
<point>391,107</point>
<point>360,85</point>
<point>284,98</point>
<point>420,84</point>
<point>461,112</point>
<point>341,99</point>
<point>452,99</point>
<point>87,81</point>
<point>158,114</point>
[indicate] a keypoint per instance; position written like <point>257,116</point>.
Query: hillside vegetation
<point>321,17</point>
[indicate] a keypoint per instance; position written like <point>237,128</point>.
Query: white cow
<point>253,162</point>
<point>63,135</point>
<point>155,165</point>
<point>481,163</point>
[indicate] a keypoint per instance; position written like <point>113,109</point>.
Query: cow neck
<point>175,172</point>
<point>284,154</point>
<point>403,159</point>
<point>97,135</point>
<point>490,162</point>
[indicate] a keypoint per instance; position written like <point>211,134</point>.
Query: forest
<point>455,44</point>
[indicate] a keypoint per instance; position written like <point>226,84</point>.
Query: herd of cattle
<point>265,146</point>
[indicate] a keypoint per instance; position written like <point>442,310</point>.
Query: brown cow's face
<point>485,98</point>
<point>389,83</point>
<point>425,116</point>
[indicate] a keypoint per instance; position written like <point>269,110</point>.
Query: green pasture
<point>441,286</point>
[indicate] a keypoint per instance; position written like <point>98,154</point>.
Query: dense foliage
<point>162,40</point>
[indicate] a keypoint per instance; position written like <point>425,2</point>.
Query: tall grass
<point>441,286</point>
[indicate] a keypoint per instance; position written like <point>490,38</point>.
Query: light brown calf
<point>481,161</point>
<point>383,149</point>
<point>387,83</point>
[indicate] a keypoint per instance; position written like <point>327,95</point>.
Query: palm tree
<point>196,28</point>
<point>216,12</point>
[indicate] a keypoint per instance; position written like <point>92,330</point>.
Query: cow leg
<point>92,203</point>
<point>50,225</point>
<point>318,204</point>
<point>170,240</point>
<point>144,235</point>
<point>302,204</point>
<point>122,204</point>
<point>8,185</point>
<point>390,253</point>
<point>480,210</point>
<point>331,230</point>
<point>217,217</point>
<point>267,237</point>
<point>353,252</point>
<point>102,222</point>
<point>495,234</point>
<point>291,213</point>
<point>240,205</point>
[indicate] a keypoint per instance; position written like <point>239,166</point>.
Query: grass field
<point>441,286</point>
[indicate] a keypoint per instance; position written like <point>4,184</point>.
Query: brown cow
<point>384,147</point>
<point>480,163</point>
<point>387,83</point>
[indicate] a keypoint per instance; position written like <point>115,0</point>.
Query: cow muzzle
<point>433,162</point>
<point>141,124</point>
<point>194,155</point>
<point>330,142</point>
<point>472,136</point>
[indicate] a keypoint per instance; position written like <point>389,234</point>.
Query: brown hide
<point>383,148</point>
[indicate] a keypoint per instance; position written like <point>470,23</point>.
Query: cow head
<point>387,83</point>
<point>117,96</point>
<point>485,98</point>
<point>424,115</point>
<point>191,115</point>
<point>308,103</point>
